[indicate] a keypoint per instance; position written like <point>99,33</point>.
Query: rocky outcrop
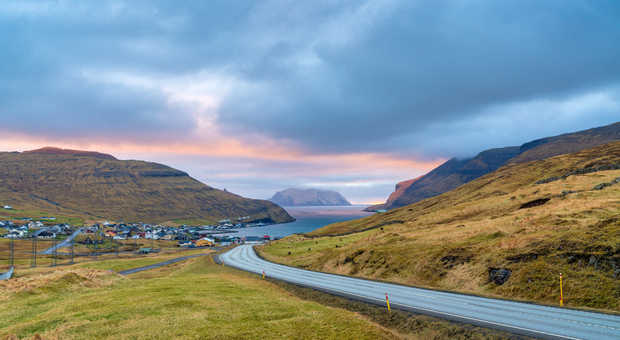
<point>499,276</point>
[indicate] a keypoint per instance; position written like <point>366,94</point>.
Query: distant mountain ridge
<point>307,197</point>
<point>95,186</point>
<point>48,150</point>
<point>454,172</point>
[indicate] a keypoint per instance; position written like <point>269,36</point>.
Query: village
<point>187,236</point>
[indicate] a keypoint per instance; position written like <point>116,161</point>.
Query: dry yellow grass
<point>451,241</point>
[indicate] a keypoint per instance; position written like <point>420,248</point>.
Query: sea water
<point>307,219</point>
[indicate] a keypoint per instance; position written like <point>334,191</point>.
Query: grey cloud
<point>343,76</point>
<point>426,66</point>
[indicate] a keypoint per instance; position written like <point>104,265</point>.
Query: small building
<point>147,251</point>
<point>46,234</point>
<point>7,207</point>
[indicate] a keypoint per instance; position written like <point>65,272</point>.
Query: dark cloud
<point>433,65</point>
<point>422,79</point>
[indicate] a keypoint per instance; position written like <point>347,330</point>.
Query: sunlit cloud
<point>254,97</point>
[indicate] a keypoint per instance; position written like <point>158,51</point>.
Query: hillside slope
<point>455,172</point>
<point>97,186</point>
<point>509,233</point>
<point>307,197</point>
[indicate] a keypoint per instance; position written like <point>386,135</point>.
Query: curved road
<point>65,243</point>
<point>516,317</point>
<point>160,264</point>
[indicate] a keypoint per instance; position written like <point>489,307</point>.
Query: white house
<point>8,207</point>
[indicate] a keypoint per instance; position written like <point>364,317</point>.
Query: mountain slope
<point>455,172</point>
<point>508,233</point>
<point>307,197</point>
<point>98,186</point>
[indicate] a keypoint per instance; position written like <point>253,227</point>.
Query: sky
<point>258,96</point>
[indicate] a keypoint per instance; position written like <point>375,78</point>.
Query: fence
<point>35,252</point>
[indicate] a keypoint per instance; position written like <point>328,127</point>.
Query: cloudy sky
<point>257,96</point>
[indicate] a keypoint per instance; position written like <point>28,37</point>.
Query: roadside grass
<point>194,299</point>
<point>452,241</point>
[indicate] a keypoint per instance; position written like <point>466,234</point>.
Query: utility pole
<point>12,252</point>
<point>54,252</point>
<point>72,251</point>
<point>34,252</point>
<point>96,246</point>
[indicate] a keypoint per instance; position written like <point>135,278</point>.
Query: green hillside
<point>93,186</point>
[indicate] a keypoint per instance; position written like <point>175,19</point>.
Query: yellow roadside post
<point>387,301</point>
<point>561,292</point>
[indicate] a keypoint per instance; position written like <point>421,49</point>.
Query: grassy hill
<point>93,186</point>
<point>456,172</point>
<point>529,220</point>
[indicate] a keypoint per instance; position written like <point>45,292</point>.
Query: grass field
<point>454,240</point>
<point>196,299</point>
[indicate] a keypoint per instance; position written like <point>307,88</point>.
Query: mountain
<point>301,197</point>
<point>508,233</point>
<point>456,172</point>
<point>97,186</point>
<point>399,189</point>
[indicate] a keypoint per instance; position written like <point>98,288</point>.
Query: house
<point>36,224</point>
<point>205,242</point>
<point>16,233</point>
<point>255,239</point>
<point>46,234</point>
<point>7,207</point>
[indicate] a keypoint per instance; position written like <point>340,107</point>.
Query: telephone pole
<point>12,252</point>
<point>72,251</point>
<point>54,253</point>
<point>34,252</point>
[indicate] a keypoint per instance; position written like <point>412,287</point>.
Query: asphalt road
<point>516,317</point>
<point>6,275</point>
<point>160,264</point>
<point>65,243</point>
